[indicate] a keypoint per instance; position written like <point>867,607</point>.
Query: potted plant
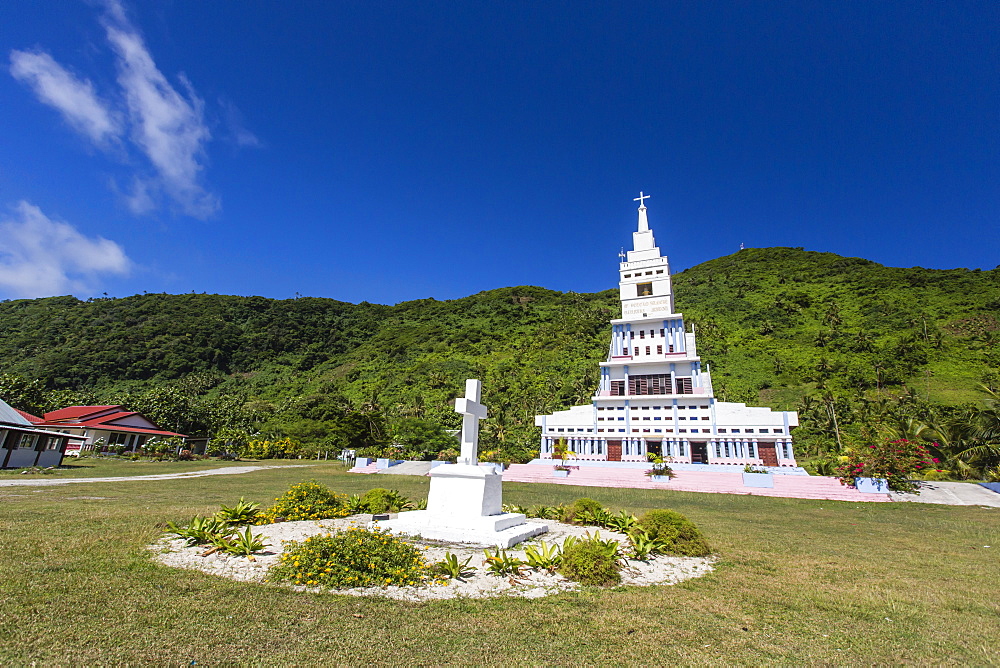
<point>561,451</point>
<point>884,467</point>
<point>757,477</point>
<point>660,471</point>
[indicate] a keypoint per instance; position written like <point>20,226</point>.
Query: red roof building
<point>116,426</point>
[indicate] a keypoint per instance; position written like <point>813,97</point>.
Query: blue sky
<point>396,151</point>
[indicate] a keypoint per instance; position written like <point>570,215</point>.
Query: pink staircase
<point>791,486</point>
<point>371,468</point>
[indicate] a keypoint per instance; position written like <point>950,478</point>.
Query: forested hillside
<point>853,345</point>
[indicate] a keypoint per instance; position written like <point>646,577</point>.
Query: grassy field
<point>113,467</point>
<point>798,582</point>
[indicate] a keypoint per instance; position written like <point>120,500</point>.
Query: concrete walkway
<point>951,494</point>
<point>407,468</point>
<point>789,486</point>
<point>38,481</point>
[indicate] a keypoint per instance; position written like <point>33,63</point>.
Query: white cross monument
<point>473,412</point>
<point>465,501</point>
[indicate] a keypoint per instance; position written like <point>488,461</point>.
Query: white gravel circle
<point>660,570</point>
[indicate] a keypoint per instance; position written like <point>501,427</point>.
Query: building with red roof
<point>113,424</point>
<point>23,443</point>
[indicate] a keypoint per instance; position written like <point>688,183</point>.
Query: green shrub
<point>380,500</point>
<point>306,501</point>
<point>580,506</point>
<point>244,512</point>
<point>590,562</point>
<point>678,534</point>
<point>353,558</point>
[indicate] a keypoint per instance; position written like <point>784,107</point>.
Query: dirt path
<point>229,470</point>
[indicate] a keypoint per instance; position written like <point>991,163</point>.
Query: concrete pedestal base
<point>464,506</point>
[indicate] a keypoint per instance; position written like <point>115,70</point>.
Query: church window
<point>670,349</point>
<point>621,431</point>
<point>749,431</point>
<point>642,333</point>
<point>704,408</point>
<point>706,431</point>
<point>644,289</point>
<point>621,408</point>
<point>621,419</point>
<point>635,431</point>
<point>704,417</point>
<point>736,431</point>
<point>670,431</point>
<point>646,417</point>
<point>647,350</point>
<point>682,431</point>
<point>560,429</point>
<point>601,430</point>
<point>778,431</point>
<point>618,388</point>
<point>645,431</point>
<point>645,408</point>
<point>663,334</point>
<point>657,418</point>
<point>684,386</point>
<point>636,351</point>
<point>682,418</point>
<point>659,350</point>
<point>659,271</point>
<point>649,273</point>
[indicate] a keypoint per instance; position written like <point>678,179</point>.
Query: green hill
<point>779,326</point>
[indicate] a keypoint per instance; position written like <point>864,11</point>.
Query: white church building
<point>655,395</point>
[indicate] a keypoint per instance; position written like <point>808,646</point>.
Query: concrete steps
<point>791,486</point>
<point>371,468</point>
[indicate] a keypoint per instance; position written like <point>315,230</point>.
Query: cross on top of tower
<point>640,198</point>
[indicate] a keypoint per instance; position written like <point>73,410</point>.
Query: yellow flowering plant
<point>355,557</point>
<point>306,501</point>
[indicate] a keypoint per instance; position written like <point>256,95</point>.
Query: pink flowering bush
<point>895,461</point>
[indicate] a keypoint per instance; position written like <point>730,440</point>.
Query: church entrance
<point>768,454</point>
<point>614,451</point>
<point>654,448</point>
<point>699,452</point>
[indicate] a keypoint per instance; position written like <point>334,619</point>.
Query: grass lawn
<point>112,467</point>
<point>798,582</point>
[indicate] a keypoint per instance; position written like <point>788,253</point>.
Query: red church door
<point>614,451</point>
<point>768,454</point>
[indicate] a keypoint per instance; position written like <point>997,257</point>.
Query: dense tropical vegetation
<point>862,351</point>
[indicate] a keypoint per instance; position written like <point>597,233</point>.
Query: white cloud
<point>166,126</point>
<point>73,97</point>
<point>41,257</point>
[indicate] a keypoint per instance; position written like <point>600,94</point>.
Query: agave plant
<point>643,546</point>
<point>610,546</point>
<point>623,522</point>
<point>244,544</point>
<point>354,505</point>
<point>451,567</point>
<point>244,512</point>
<point>543,557</point>
<point>499,563</point>
<point>543,512</point>
<point>201,530</point>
